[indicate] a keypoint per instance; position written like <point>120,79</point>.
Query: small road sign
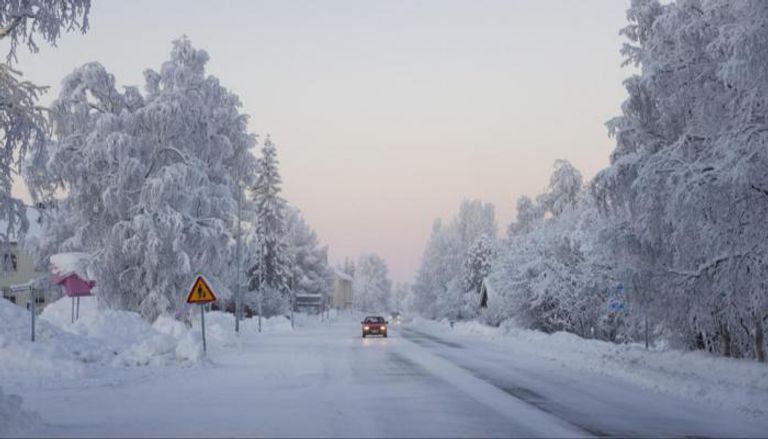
<point>201,292</point>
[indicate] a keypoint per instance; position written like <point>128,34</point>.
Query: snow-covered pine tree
<point>149,181</point>
<point>270,276</point>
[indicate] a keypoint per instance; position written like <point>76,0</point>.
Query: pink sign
<point>73,285</point>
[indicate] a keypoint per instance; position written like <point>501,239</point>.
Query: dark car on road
<point>374,325</point>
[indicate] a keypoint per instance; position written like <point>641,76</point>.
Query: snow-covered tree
<point>553,272</point>
<point>441,259</point>
<point>565,185</point>
<point>402,297</point>
<point>688,175</point>
<point>477,266</point>
<point>310,271</point>
<point>438,288</point>
<point>149,181</point>
<point>21,21</point>
<point>528,215</point>
<point>478,262</point>
<point>372,288</point>
<point>271,274</point>
<point>23,126</point>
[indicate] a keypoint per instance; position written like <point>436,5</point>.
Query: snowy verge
<point>724,382</point>
<point>66,349</point>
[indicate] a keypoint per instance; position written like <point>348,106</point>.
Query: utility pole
<point>34,311</point>
<point>293,301</point>
<point>261,275</point>
<point>238,293</point>
<point>646,330</point>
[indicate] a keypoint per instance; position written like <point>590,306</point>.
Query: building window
<point>9,262</point>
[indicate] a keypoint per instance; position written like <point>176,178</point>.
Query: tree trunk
<point>725,341</point>
<point>758,339</point>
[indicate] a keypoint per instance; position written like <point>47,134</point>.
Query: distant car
<point>374,325</point>
<point>394,317</point>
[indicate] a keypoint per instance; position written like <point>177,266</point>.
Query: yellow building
<point>341,296</point>
<point>17,268</point>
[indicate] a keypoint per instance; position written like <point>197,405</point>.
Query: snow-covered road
<point>598,404</point>
<point>324,380</point>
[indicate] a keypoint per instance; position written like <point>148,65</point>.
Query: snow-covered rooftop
<point>64,264</point>
<point>341,275</point>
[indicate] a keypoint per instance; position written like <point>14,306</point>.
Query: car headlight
<point>366,328</point>
<point>383,328</point>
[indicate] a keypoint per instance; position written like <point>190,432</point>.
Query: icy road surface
<point>324,380</point>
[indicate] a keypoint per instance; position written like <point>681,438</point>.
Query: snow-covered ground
<point>112,374</point>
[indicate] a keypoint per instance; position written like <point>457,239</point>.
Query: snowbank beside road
<point>108,338</point>
<point>56,354</point>
<point>723,382</point>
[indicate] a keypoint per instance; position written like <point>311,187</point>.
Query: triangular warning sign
<point>200,292</point>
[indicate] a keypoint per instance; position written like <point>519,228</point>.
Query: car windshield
<point>374,320</point>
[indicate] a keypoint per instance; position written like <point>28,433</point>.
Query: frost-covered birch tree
<point>553,272</point>
<point>372,288</point>
<point>310,271</point>
<point>439,285</point>
<point>150,181</point>
<point>23,123</point>
<point>688,174</point>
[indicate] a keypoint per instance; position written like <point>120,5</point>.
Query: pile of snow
<point>116,329</point>
<point>64,264</point>
<point>55,354</point>
<point>173,342</point>
<point>13,419</point>
<point>65,349</point>
<point>724,382</point>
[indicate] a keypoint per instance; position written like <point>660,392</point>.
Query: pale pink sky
<point>388,113</point>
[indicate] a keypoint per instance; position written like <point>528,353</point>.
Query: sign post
<point>201,294</point>
<point>32,293</point>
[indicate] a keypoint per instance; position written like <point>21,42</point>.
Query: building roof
<point>65,264</point>
<point>341,275</point>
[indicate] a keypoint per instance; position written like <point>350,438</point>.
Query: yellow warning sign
<point>200,292</point>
